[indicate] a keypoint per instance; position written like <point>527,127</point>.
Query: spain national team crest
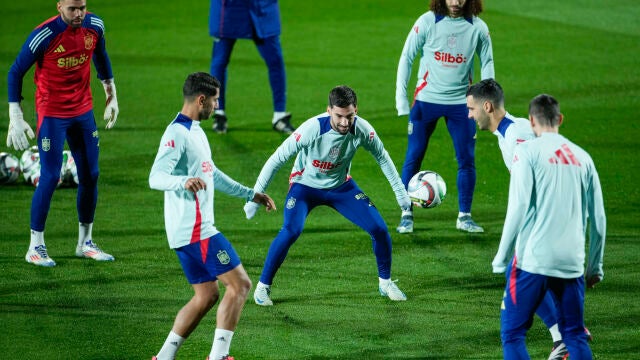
<point>291,203</point>
<point>452,41</point>
<point>46,144</point>
<point>88,42</point>
<point>334,152</point>
<point>223,257</point>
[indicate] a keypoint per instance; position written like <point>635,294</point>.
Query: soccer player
<point>62,48</point>
<point>325,145</point>
<point>485,101</point>
<point>185,171</point>
<point>554,197</point>
<point>258,20</point>
<point>447,37</point>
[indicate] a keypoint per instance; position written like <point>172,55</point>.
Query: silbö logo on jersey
<point>72,61</point>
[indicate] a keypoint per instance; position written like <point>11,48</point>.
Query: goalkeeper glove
<point>111,110</point>
<point>16,136</point>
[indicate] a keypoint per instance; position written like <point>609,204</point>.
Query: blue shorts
<point>204,260</point>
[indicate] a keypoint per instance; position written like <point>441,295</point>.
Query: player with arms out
<point>325,145</point>
<point>447,36</point>
<point>62,48</point>
<point>185,171</point>
<point>554,198</point>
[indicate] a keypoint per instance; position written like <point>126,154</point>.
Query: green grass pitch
<point>326,302</point>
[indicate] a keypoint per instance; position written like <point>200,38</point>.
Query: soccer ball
<point>9,168</point>
<point>427,189</point>
<point>69,172</point>
<point>30,165</point>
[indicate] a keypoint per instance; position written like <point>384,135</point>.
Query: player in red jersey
<point>62,48</point>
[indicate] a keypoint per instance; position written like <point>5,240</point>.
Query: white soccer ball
<point>30,165</point>
<point>9,168</point>
<point>427,189</point>
<point>69,172</point>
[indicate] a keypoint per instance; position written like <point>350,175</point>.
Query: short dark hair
<point>200,83</point>
<point>487,90</point>
<point>342,96</point>
<point>545,109</point>
<point>471,8</point>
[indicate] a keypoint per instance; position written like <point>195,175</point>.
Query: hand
<point>16,136</point>
<point>195,184</point>
<point>111,110</point>
<point>266,200</point>
<point>593,280</point>
<point>251,207</point>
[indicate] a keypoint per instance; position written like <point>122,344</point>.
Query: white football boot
<point>406,222</point>
<point>262,295</point>
<point>90,250</point>
<point>466,223</point>
<point>390,289</point>
<point>38,256</point>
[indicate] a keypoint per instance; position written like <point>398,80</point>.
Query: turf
<point>326,301</point>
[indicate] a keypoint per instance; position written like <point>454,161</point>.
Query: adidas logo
<point>59,49</point>
<point>564,156</point>
<point>171,144</point>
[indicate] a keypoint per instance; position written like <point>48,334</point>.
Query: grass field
<point>327,307</point>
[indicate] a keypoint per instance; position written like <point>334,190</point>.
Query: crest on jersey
<point>452,41</point>
<point>223,257</point>
<point>334,152</point>
<point>88,42</point>
<point>291,202</point>
<point>46,144</point>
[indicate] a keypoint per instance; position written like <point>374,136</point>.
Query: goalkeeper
<point>62,47</point>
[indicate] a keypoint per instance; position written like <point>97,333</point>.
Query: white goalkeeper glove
<point>250,209</point>
<point>16,136</point>
<point>111,110</point>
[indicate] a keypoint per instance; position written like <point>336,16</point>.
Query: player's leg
<point>423,119</point>
<point>523,292</point>
<point>350,201</point>
<point>271,52</point>
<point>463,133</point>
<point>50,145</point>
<point>206,293</point>
<point>83,140</point>
<point>570,295</point>
<point>223,260</point>
<point>547,312</point>
<point>299,202</point>
<point>220,56</point>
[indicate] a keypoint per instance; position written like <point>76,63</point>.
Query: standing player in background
<point>485,101</point>
<point>554,196</point>
<point>447,37</point>
<point>258,20</point>
<point>325,145</point>
<point>62,48</point>
<point>185,171</point>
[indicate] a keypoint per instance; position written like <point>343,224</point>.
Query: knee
<point>206,302</point>
<point>90,179</point>
<point>291,232</point>
<point>241,287</point>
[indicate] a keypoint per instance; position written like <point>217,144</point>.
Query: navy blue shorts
<point>204,260</point>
